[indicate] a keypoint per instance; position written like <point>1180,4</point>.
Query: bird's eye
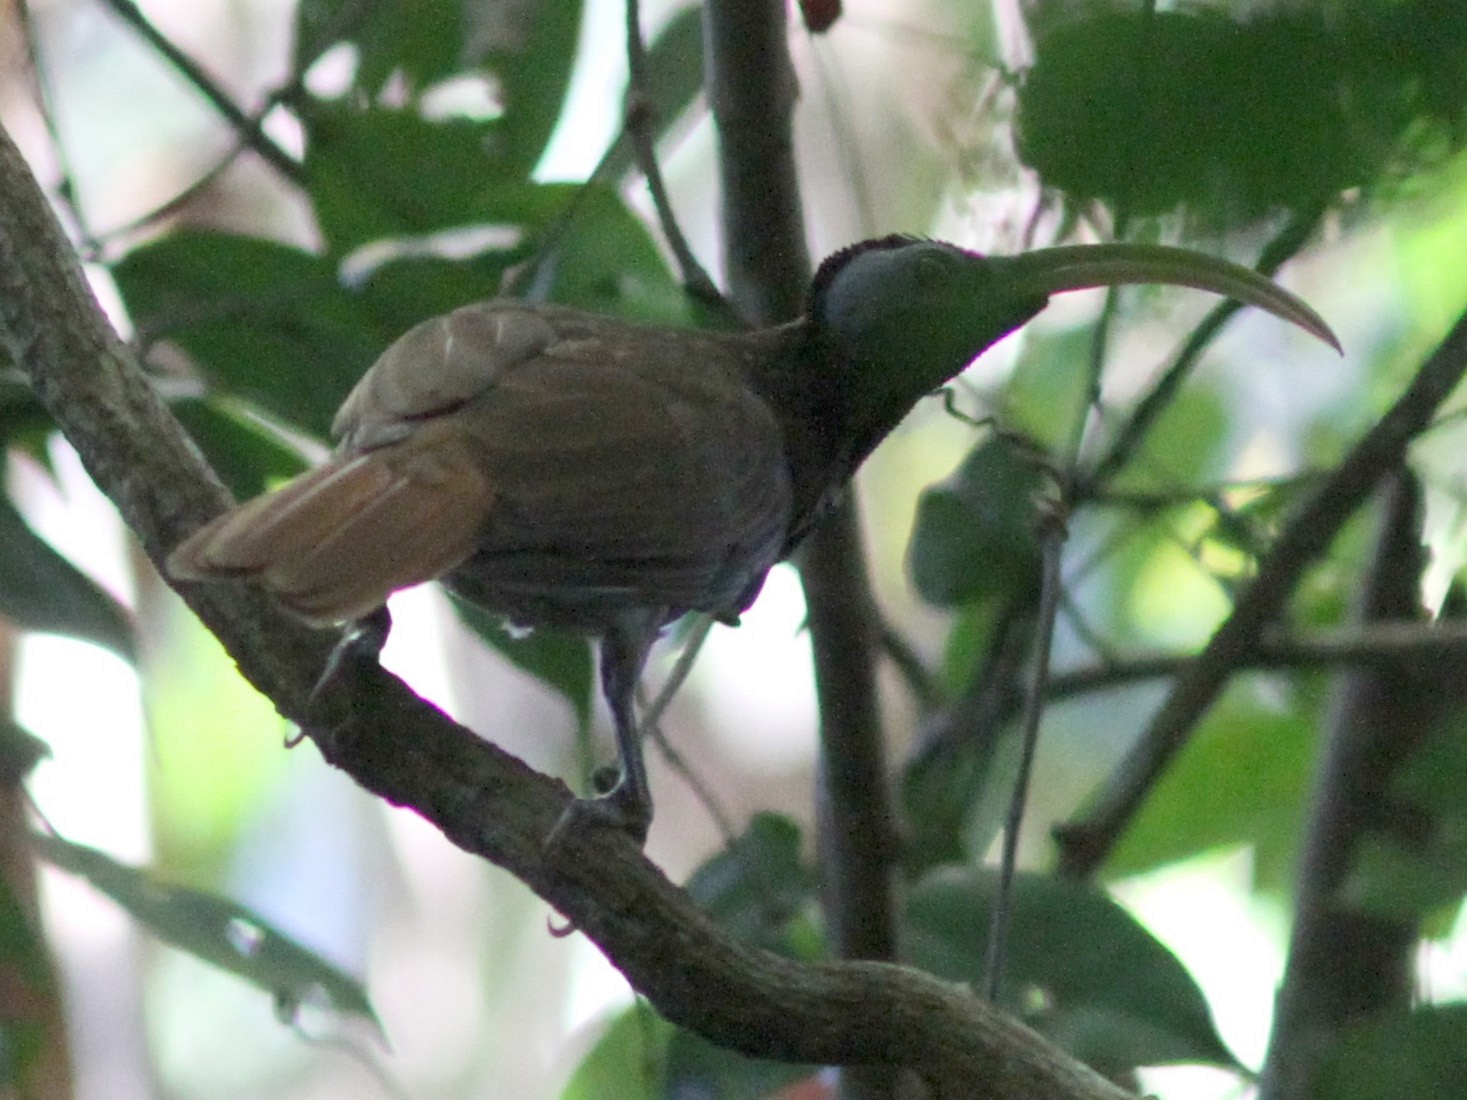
<point>931,270</point>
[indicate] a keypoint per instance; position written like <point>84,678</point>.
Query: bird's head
<point>904,315</point>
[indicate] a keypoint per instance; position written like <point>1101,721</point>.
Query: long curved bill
<point>1049,271</point>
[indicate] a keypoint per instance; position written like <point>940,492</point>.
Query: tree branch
<point>751,91</point>
<point>483,799</point>
<point>1085,843</point>
<point>248,129</point>
<point>1345,964</point>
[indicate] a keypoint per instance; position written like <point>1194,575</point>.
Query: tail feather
<point>336,541</point>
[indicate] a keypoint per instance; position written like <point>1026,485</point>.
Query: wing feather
<point>335,542</point>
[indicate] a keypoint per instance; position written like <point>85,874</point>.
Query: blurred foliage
<point>1240,781</point>
<point>1235,116</point>
<point>1215,117</point>
<point>975,534</point>
<point>1078,968</point>
<point>41,590</point>
<point>217,930</point>
<point>1406,1056</point>
<point>26,976</point>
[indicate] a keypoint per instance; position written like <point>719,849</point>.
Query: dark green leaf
<point>1241,779</point>
<point>974,538</point>
<point>1407,1056</point>
<point>382,173</point>
<point>1080,969</point>
<point>627,1062</point>
<point>758,884</point>
<point>956,797</point>
<point>30,992</point>
<point>41,590</point>
<point>20,751</point>
<point>405,290</point>
<point>216,930</point>
<point>757,888</point>
<point>1414,875</point>
<point>422,40</point>
<point>248,457</point>
<point>531,48</point>
<point>263,321</point>
<point>24,422</point>
<point>674,78</point>
<point>557,659</point>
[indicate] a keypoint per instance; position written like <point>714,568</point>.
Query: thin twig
<point>638,128</point>
<point>1336,647</point>
<point>1052,548</point>
<point>248,129</point>
<point>908,664</point>
<point>1085,842</point>
<point>66,189</point>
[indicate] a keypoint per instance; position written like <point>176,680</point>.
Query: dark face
<point>906,316</point>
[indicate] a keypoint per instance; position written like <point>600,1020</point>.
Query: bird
<point>564,469</point>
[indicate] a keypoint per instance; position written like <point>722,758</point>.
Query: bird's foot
<point>618,807</point>
<point>355,655</point>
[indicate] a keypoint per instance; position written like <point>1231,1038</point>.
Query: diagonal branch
<point>487,802</point>
<point>1085,843</point>
<point>248,129</point>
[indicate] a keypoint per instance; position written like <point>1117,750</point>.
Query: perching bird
<point>569,470</point>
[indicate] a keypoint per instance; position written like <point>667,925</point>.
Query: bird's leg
<point>627,804</point>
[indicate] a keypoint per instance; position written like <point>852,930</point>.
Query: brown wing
<point>625,475</point>
<point>336,541</point>
<point>565,466</point>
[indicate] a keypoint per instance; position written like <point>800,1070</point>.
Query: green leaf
<point>758,885</point>
<point>423,40</point>
<point>758,888</point>
<point>1241,779</point>
<point>1046,394</point>
<point>560,660</point>
<point>627,1062</point>
<point>1080,969</point>
<point>41,590</point>
<point>974,538</point>
<point>30,993</point>
<point>1183,445</point>
<point>20,751</point>
<point>956,798</point>
<point>406,289</point>
<point>381,173</point>
<point>1406,1056</point>
<point>606,261</point>
<point>244,453</point>
<point>1417,875</point>
<point>532,50</point>
<point>216,930</point>
<point>263,321</point>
